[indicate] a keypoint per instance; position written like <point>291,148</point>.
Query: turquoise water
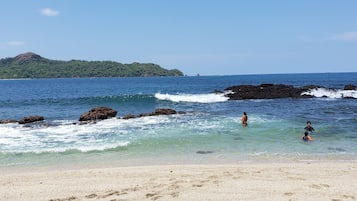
<point>208,132</point>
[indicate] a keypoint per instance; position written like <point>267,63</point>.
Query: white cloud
<point>15,43</point>
<point>347,36</point>
<point>49,12</point>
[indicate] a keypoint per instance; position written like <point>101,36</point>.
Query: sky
<point>207,37</point>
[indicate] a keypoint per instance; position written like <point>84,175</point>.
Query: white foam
<point>106,134</point>
<point>331,93</point>
<point>194,98</point>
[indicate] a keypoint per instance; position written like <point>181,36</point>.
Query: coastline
<point>332,180</point>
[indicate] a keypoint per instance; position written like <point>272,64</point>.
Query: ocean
<point>208,132</point>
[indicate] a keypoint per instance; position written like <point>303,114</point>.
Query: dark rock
<point>130,116</point>
<point>350,87</point>
<point>98,113</point>
<point>271,91</point>
<point>263,91</point>
<point>31,119</point>
<point>164,111</point>
<point>7,121</point>
<point>159,111</point>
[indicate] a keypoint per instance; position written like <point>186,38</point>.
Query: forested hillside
<point>31,65</point>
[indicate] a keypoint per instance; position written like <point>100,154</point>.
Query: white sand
<point>282,181</point>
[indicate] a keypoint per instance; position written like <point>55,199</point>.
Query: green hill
<point>30,65</point>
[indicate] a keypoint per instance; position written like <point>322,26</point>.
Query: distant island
<point>31,65</point>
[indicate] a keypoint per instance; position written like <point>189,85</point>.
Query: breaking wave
<point>331,93</point>
<point>194,98</point>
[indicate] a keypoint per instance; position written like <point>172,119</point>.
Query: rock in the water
<point>164,111</point>
<point>263,91</point>
<point>130,116</point>
<point>98,113</point>
<point>270,91</point>
<point>350,87</point>
<point>7,121</point>
<point>159,111</point>
<point>31,119</point>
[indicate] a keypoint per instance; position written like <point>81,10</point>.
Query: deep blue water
<point>211,124</point>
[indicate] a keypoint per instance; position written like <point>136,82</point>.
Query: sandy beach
<point>266,181</point>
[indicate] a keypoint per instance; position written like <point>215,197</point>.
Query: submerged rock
<point>164,111</point>
<point>204,152</point>
<point>159,111</point>
<point>98,113</point>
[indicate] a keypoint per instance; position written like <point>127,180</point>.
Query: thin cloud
<point>347,36</point>
<point>15,43</point>
<point>49,12</point>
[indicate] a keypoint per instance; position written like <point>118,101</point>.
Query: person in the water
<point>306,137</point>
<point>244,119</point>
<point>308,127</point>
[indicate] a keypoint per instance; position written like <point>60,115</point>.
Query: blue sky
<point>211,37</point>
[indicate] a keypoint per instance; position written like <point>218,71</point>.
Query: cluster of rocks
<point>95,114</point>
<point>25,120</point>
<point>101,113</point>
<point>271,91</point>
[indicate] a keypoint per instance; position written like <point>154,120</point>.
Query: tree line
<point>30,65</point>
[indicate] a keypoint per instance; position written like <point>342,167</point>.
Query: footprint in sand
<point>289,194</point>
<point>65,199</point>
<point>93,195</point>
<point>153,196</point>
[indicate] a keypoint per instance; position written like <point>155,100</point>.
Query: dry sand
<point>268,181</point>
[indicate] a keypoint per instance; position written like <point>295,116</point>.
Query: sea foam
<point>331,93</point>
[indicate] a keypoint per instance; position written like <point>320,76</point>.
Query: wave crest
<point>194,98</point>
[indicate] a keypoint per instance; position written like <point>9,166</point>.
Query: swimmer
<point>308,127</point>
<point>306,137</point>
<point>244,119</point>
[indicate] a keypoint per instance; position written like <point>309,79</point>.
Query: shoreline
<point>111,160</point>
<point>318,180</point>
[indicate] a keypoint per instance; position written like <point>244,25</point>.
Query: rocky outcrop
<point>271,91</point>
<point>263,91</point>
<point>31,119</point>
<point>98,113</point>
<point>159,111</point>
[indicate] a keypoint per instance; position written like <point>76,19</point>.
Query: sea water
<point>209,130</point>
